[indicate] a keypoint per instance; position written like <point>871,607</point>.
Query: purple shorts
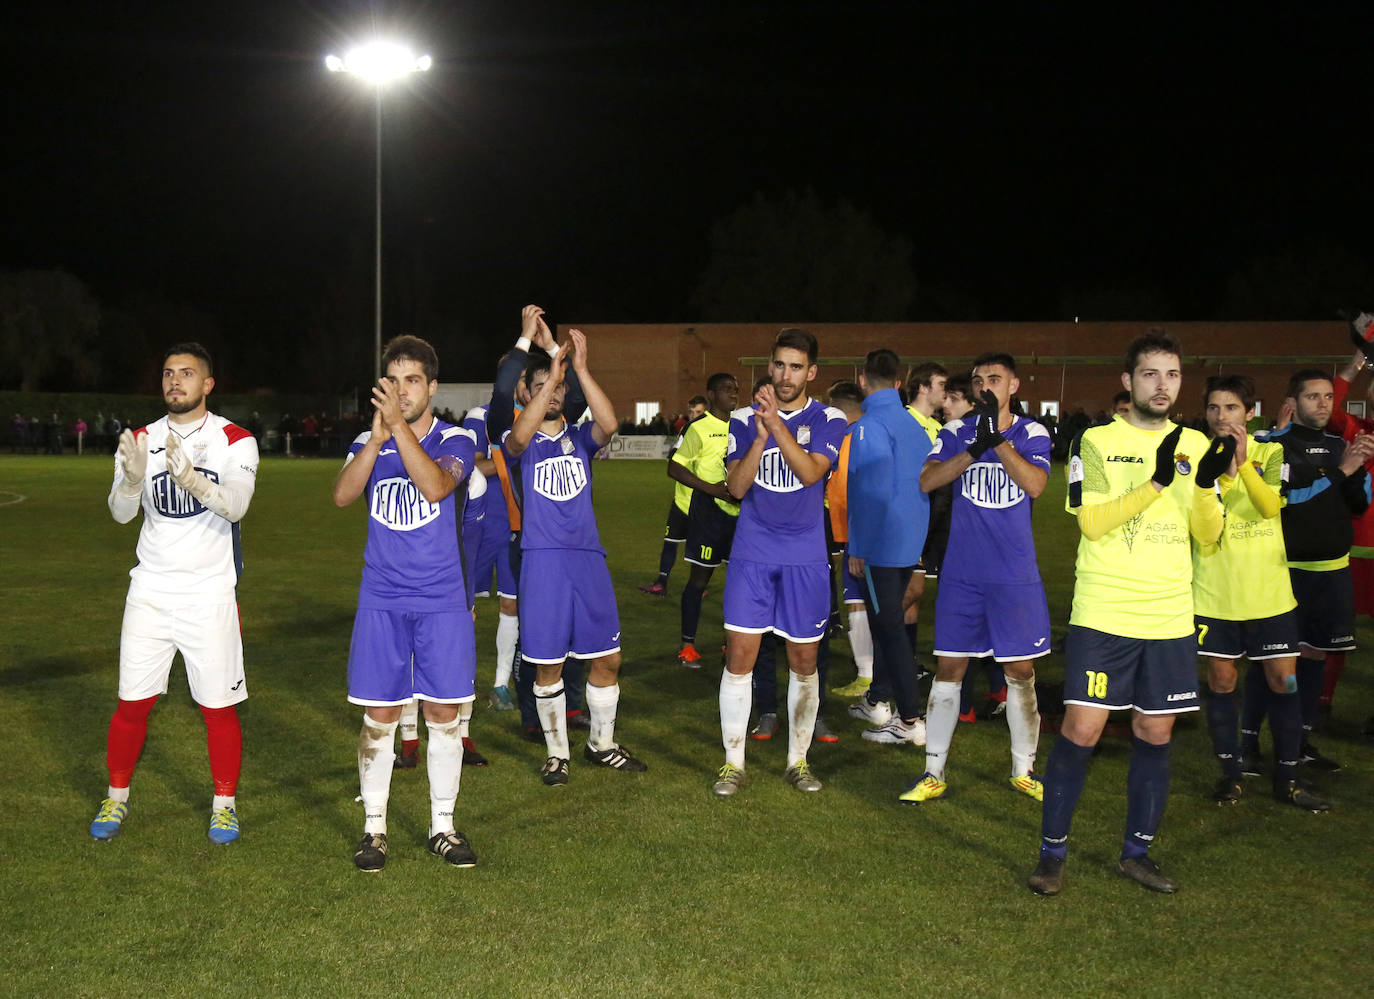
<point>792,601</point>
<point>1008,621</point>
<point>397,655</point>
<point>567,606</point>
<point>493,551</point>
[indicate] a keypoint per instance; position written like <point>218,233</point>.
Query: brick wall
<point>1074,364</point>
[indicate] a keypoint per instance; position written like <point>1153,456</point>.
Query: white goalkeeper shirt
<point>184,550</point>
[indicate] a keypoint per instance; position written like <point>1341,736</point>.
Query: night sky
<point>575,153</point>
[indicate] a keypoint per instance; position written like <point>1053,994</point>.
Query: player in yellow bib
<point>1141,487</point>
<point>698,466</point>
<point>1243,601</point>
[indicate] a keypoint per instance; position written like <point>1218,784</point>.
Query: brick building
<point>1070,365</point>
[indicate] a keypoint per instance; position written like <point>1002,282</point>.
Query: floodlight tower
<point>378,63</point>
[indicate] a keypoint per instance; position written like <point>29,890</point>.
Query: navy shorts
<point>567,606</point>
<point>399,655</point>
<point>1266,638</point>
<point>1326,608</point>
<point>676,528</point>
<point>792,601</point>
<point>1155,676</point>
<point>1008,621</point>
<point>710,531</point>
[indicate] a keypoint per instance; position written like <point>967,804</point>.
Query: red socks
<point>225,741</point>
<point>128,729</point>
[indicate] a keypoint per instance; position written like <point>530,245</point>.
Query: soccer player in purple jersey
<point>567,603</point>
<point>413,634</point>
<point>779,455</point>
<point>991,599</point>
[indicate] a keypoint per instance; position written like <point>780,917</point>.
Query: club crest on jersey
<point>560,478</point>
<point>1181,464</point>
<point>775,474</point>
<point>568,447</point>
<point>171,500</point>
<point>399,505</point>
<point>803,435</point>
<point>1075,469</point>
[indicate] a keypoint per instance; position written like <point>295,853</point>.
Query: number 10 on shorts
<point>1097,683</point>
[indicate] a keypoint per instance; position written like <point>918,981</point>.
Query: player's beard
<point>185,404</point>
<point>780,391</point>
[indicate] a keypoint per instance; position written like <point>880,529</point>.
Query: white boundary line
<point>18,498</point>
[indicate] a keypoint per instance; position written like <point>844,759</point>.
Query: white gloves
<point>181,470</point>
<point>133,457</point>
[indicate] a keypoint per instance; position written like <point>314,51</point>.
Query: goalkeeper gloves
<point>986,435</point>
<point>182,471</point>
<point>1164,458</point>
<point>133,456</point>
<point>1215,460</point>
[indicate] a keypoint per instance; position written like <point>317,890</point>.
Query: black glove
<point>1361,326</point>
<point>986,434</point>
<point>1164,458</point>
<point>1215,460</point>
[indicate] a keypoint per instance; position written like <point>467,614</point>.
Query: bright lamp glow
<point>378,62</point>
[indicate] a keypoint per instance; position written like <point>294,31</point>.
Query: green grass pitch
<point>617,885</point>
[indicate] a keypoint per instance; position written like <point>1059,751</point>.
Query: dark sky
<point>575,153</point>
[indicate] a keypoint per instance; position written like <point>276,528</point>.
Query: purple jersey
<point>411,560</point>
<point>990,524</point>
<point>493,504</point>
<point>782,522</point>
<point>556,489</point>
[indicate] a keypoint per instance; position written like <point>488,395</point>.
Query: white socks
<point>221,801</point>
<point>861,643</point>
<point>507,634</point>
<point>444,761</point>
<point>736,693</point>
<point>118,793</point>
<point>1023,719</point>
<point>942,716</point>
<point>464,719</point>
<point>376,754</point>
<point>803,701</point>
<point>410,721</point>
<point>601,707</point>
<point>552,707</point>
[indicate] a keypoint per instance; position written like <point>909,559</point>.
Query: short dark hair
<point>993,357</point>
<point>1241,386</point>
<point>716,381</point>
<point>960,385</point>
<point>696,400</point>
<point>539,361</point>
<point>922,374</point>
<point>798,339</point>
<point>412,348</point>
<point>1153,341</point>
<point>1120,397</point>
<point>1300,378</point>
<point>845,390</point>
<point>195,350</point>
<point>883,367</point>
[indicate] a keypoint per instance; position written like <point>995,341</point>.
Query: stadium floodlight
<point>378,62</point>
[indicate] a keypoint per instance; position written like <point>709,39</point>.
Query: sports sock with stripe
<point>1064,777</point>
<point>1223,722</point>
<point>552,706</point>
<point>1147,790</point>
